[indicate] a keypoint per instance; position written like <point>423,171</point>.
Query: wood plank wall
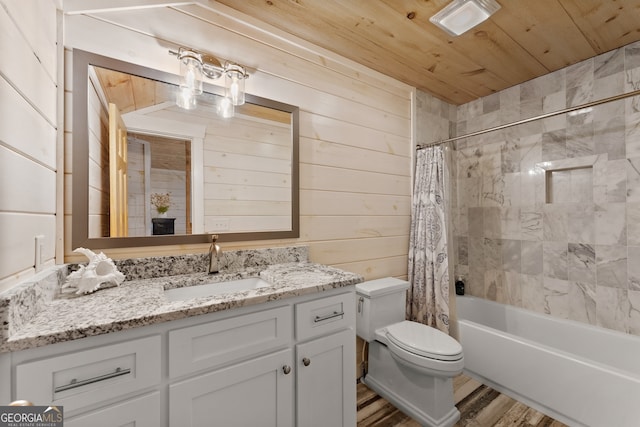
<point>355,133</point>
<point>98,126</point>
<point>246,168</point>
<point>251,167</point>
<point>28,136</point>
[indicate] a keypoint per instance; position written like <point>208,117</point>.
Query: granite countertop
<point>141,302</point>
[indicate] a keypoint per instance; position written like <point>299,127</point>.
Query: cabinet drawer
<point>325,315</point>
<point>87,377</point>
<point>143,411</point>
<point>199,347</point>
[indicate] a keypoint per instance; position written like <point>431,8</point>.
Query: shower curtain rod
<point>531,119</point>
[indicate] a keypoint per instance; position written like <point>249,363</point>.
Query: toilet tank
<point>379,303</point>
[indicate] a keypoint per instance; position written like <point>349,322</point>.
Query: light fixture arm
<point>212,67</point>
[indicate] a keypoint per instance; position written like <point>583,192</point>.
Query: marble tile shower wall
<point>435,119</point>
<point>547,214</point>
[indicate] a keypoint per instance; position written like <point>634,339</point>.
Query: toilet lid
<point>424,340</point>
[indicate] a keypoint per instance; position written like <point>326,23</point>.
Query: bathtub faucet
<point>214,255</point>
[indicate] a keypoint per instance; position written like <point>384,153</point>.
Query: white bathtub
<point>576,373</point>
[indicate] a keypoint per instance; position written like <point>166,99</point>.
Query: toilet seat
<point>424,341</point>
<point>423,348</point>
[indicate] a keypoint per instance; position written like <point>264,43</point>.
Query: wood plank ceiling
<point>523,40</point>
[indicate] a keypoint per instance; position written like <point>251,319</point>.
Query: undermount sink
<point>213,289</point>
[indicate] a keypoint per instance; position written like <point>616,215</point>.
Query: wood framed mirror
<point>236,177</point>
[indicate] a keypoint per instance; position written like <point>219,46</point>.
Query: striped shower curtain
<point>428,295</point>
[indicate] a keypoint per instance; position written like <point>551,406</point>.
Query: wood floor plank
<point>375,410</point>
<point>366,396</point>
<point>408,422</point>
<point>392,419</point>
<point>491,414</point>
<point>515,416</point>
<point>460,380</point>
<point>535,418</point>
<point>479,406</point>
<point>464,388</point>
<point>475,402</point>
<point>382,412</point>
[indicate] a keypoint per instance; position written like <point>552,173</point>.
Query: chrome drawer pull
<point>75,383</point>
<point>328,316</point>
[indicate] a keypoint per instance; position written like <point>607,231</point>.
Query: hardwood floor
<point>479,406</point>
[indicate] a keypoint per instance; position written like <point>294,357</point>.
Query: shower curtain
<point>428,295</point>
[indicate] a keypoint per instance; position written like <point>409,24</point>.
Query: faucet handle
<point>213,237</point>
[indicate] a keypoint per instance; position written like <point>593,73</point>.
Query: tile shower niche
<point>569,181</point>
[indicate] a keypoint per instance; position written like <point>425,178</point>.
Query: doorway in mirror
<point>158,165</point>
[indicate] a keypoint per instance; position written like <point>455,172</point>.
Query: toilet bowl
<point>426,349</point>
<point>410,364</point>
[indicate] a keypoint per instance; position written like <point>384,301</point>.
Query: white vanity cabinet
<point>325,362</point>
<point>288,362</point>
<point>307,380</point>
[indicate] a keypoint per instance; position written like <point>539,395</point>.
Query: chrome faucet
<point>214,255</point>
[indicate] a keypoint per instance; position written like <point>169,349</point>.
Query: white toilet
<point>410,364</point>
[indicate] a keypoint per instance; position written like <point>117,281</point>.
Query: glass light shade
<point>186,99</point>
<point>462,15</point>
<point>225,108</point>
<point>234,83</point>
<point>191,72</point>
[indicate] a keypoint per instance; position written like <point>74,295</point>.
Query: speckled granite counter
<point>141,301</point>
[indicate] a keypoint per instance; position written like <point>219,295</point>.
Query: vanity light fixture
<point>190,71</point>
<point>234,83</point>
<point>462,15</point>
<point>185,98</point>
<point>194,66</point>
<point>225,108</point>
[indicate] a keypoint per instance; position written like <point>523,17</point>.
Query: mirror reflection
<point>158,169</point>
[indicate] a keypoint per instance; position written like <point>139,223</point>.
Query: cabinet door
<point>141,411</point>
<point>258,392</point>
<point>326,381</point>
